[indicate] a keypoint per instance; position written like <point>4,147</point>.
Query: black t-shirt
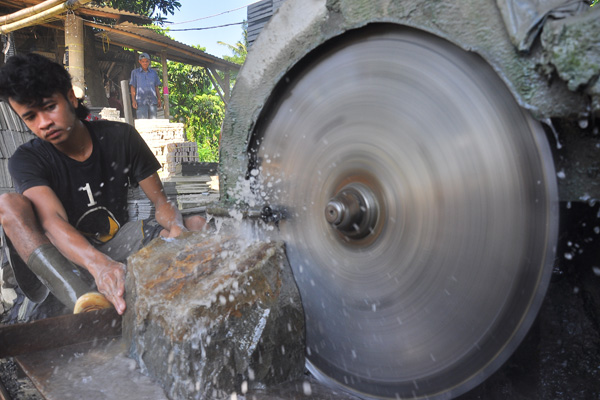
<point>93,192</point>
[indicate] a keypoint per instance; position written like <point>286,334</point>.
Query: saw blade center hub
<point>353,211</point>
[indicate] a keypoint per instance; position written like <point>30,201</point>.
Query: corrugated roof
<point>259,14</point>
<point>145,39</point>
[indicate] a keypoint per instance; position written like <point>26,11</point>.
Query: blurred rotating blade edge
<point>422,212</point>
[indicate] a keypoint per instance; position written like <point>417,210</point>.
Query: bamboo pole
<point>28,12</point>
<point>42,16</point>
<point>75,53</point>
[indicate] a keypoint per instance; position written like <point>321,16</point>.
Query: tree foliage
<point>594,2</point>
<point>240,49</point>
<point>195,102</point>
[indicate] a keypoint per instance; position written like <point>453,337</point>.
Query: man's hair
<point>30,78</point>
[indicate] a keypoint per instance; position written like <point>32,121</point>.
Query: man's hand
<point>134,104</point>
<point>176,230</point>
<point>110,280</point>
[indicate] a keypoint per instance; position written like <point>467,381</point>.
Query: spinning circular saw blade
<point>421,204</point>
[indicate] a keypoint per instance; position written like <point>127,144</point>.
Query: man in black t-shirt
<point>71,182</point>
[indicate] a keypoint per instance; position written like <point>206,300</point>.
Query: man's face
<point>145,63</point>
<point>52,121</point>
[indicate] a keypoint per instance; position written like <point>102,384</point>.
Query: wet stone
<point>209,316</point>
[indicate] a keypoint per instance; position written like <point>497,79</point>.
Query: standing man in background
<point>144,86</point>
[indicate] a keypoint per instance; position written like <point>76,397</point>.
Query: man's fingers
<point>115,296</point>
<point>112,285</point>
<point>118,302</point>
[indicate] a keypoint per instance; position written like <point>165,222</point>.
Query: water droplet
<point>306,388</point>
<point>548,122</point>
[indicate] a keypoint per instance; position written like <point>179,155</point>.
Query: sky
<point>203,14</point>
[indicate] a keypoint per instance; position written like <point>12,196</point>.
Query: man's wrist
<point>99,264</point>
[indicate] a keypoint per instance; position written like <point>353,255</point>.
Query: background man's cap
<point>144,55</point>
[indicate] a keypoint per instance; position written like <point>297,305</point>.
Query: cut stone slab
<point>208,316</point>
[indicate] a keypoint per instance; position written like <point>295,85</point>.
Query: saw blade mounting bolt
<point>334,212</point>
<point>353,211</point>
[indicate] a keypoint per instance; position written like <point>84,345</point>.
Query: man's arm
<point>158,96</point>
<point>133,100</point>
<point>167,214</point>
<point>108,274</point>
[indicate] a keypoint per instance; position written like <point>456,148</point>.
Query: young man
<point>71,183</point>
<point>144,86</point>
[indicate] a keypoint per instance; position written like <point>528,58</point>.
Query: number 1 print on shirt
<point>88,189</point>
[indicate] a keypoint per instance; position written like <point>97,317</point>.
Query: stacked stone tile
<point>178,153</point>
<point>111,114</point>
<point>13,133</point>
<point>167,141</point>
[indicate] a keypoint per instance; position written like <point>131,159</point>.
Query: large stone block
<point>211,315</point>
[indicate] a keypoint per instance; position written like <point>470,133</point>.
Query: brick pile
<point>192,192</point>
<point>167,142</point>
<point>111,114</point>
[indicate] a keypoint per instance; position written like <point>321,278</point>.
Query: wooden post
<point>165,82</point>
<point>126,96</point>
<point>226,90</point>
<point>74,49</point>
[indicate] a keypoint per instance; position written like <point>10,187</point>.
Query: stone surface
<point>571,51</point>
<point>209,315</point>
